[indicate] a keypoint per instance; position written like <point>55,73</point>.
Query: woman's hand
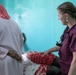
<point>14,55</point>
<point>54,49</point>
<point>46,52</point>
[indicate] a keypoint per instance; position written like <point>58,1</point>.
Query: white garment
<point>10,39</point>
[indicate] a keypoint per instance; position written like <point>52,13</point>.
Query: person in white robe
<point>11,41</point>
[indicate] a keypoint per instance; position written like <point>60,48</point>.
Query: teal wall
<point>38,19</point>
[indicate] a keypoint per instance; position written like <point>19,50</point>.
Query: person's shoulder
<point>13,21</point>
<point>73,31</point>
<point>1,19</point>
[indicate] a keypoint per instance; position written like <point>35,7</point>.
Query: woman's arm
<point>72,70</point>
<point>54,49</point>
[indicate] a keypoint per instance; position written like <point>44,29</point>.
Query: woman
<point>67,47</point>
<point>11,41</point>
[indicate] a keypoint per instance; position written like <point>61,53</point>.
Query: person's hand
<point>45,52</point>
<point>14,55</point>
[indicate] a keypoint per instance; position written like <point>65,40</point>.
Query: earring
<point>66,20</point>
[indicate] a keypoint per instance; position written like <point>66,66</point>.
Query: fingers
<point>18,58</point>
<point>45,53</point>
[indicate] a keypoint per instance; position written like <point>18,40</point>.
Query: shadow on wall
<point>25,47</point>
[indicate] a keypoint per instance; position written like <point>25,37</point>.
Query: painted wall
<point>38,19</point>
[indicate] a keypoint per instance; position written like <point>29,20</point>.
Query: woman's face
<point>62,17</point>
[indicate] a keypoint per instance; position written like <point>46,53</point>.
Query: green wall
<point>38,19</point>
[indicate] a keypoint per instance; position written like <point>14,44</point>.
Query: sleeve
<point>3,51</point>
<point>73,43</point>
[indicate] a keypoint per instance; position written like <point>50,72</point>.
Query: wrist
<point>8,53</point>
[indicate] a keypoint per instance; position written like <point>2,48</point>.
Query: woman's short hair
<point>69,8</point>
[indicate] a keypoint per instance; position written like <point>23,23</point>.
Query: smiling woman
<point>67,47</point>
